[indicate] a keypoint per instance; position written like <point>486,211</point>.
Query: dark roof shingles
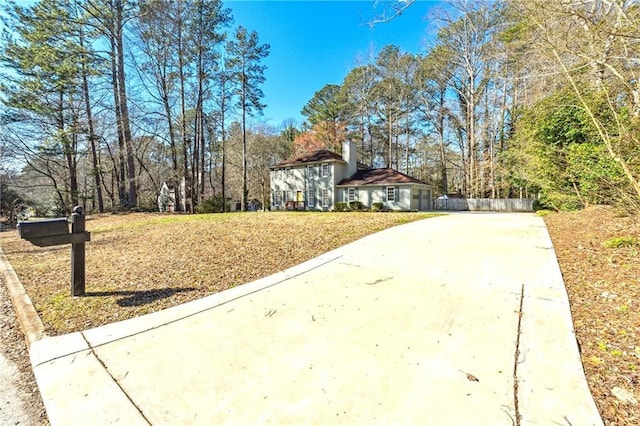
<point>379,177</point>
<point>311,157</point>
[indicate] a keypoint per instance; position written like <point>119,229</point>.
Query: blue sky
<point>314,43</point>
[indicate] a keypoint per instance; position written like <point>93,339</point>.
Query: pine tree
<point>244,62</point>
<point>45,89</point>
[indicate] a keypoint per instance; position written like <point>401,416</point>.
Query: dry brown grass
<point>141,263</point>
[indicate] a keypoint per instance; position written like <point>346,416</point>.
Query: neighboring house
<point>320,179</point>
<point>167,197</point>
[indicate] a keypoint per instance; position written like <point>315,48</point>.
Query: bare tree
<point>594,47</point>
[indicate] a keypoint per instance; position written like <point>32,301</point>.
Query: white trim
<point>311,198</point>
<point>390,190</point>
<point>352,195</point>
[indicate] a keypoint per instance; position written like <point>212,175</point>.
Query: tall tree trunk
<point>166,104</point>
<point>202,154</point>
<point>92,136</point>
<point>199,130</point>
<point>406,148</point>
<point>69,153</point>
<point>245,190</point>
<point>175,176</point>
<point>124,109</point>
<point>390,142</point>
<point>471,142</point>
<point>195,165</point>
<point>188,207</point>
<point>441,143</point>
<point>223,141</point>
<point>197,175</point>
<point>122,195</point>
<point>372,153</point>
<point>223,168</point>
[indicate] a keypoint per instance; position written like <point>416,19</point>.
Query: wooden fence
<point>485,204</point>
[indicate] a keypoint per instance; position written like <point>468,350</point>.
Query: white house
<point>320,179</point>
<point>167,197</point>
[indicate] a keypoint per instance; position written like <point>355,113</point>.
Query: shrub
<point>342,207</point>
<point>619,242</point>
<point>543,212</point>
<point>212,205</point>
<point>146,208</point>
<point>356,206</point>
<point>377,207</point>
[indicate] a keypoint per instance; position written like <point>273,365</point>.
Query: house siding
<point>304,178</point>
<point>405,197</point>
<point>300,179</point>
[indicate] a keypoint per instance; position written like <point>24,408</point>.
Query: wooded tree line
<point>514,98</point>
<point>104,100</point>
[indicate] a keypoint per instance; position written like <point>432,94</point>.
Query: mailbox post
<point>77,253</point>
<point>53,232</point>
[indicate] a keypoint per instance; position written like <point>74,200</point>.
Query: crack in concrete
<point>380,280</point>
<point>115,380</point>
<point>515,361</point>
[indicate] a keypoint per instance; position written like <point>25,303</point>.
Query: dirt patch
<point>600,263</point>
<point>19,395</point>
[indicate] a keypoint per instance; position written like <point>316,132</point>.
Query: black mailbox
<point>50,232</point>
<point>43,228</point>
<point>53,232</point>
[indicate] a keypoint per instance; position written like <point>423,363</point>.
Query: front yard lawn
<point>144,262</point>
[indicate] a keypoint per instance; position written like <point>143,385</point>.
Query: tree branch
<point>391,10</point>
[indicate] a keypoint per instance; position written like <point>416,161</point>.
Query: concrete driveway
<point>461,319</point>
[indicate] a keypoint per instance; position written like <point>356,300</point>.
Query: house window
<point>325,198</point>
<point>391,193</point>
<point>310,170</point>
<point>325,170</point>
<point>351,195</point>
<point>277,200</point>
<point>284,196</point>
<point>287,172</point>
<point>311,197</point>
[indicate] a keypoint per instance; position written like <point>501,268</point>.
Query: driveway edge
<point>26,314</point>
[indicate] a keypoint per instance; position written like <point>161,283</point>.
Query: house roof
<point>321,155</point>
<point>379,177</point>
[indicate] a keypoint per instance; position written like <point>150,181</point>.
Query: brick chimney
<point>349,155</point>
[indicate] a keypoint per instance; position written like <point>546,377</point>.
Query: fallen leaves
<point>601,271</point>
